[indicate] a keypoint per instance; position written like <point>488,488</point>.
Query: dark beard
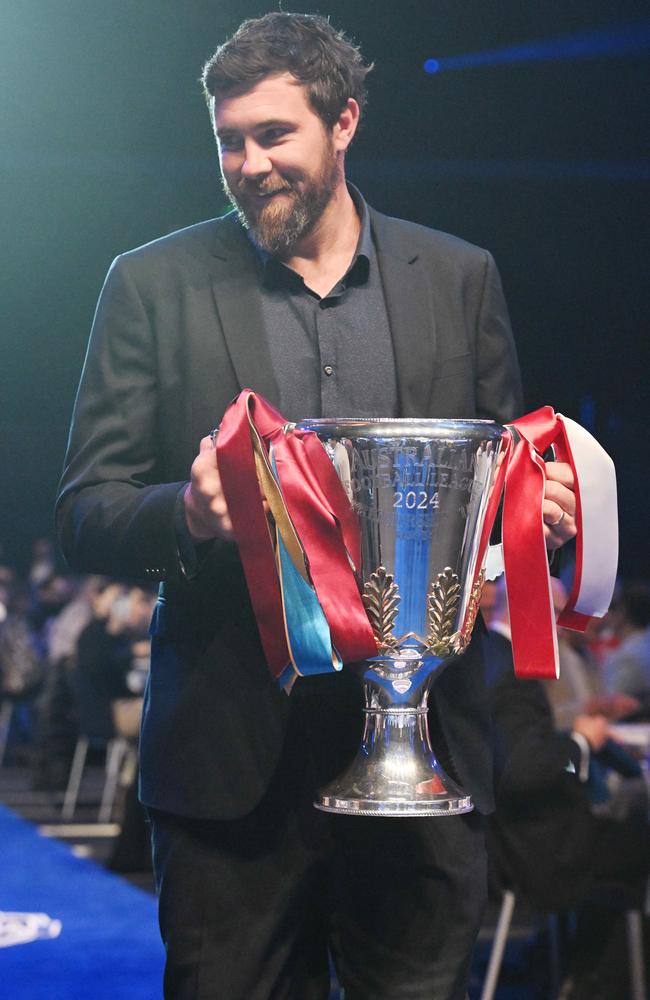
<point>278,232</point>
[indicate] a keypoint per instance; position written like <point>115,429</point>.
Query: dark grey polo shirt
<point>331,356</point>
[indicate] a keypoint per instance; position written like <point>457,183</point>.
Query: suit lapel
<point>410,314</point>
<point>236,286</point>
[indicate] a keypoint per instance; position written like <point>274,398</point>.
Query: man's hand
<point>559,505</point>
<point>206,511</point>
<point>594,728</point>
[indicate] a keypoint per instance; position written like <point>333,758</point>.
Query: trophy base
<point>395,773</point>
<point>367,807</point>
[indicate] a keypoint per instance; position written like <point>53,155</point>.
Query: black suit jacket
<point>177,333</point>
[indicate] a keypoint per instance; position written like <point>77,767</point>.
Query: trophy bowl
<point>420,490</point>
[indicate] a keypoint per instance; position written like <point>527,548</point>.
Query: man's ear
<point>346,126</point>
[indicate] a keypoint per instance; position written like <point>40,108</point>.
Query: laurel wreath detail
<point>381,599</point>
<point>442,604</point>
<point>472,609</point>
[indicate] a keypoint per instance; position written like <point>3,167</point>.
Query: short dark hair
<point>327,63</point>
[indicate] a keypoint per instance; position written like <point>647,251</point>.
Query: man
<point>324,307</point>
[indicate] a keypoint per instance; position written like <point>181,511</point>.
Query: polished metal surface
<point>420,489</point>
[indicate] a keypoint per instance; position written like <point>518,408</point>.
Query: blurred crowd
<point>571,830</point>
<point>571,756</point>
<point>74,660</point>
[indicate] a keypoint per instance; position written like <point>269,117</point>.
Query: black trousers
<point>249,908</point>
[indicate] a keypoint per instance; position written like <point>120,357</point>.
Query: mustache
<point>263,187</point>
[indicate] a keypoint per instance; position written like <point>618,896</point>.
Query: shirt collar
<point>276,275</point>
<point>364,244</point>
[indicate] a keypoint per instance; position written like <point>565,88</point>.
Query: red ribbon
<point>530,602</point>
<point>325,523</point>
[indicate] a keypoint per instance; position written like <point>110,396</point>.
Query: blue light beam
<point>616,40</point>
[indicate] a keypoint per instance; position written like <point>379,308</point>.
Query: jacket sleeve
<point>114,512</point>
<point>498,381</point>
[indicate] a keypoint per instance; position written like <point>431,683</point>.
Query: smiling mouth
<point>265,195</point>
<point>272,194</point>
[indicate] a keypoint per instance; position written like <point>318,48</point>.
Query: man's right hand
<point>206,511</point>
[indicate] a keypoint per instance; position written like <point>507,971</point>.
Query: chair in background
<point>634,936</point>
<point>116,750</point>
<point>15,713</point>
<point>95,732</point>
<point>500,940</point>
<point>6,713</point>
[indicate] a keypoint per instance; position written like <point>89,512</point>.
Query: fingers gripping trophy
<point>421,492</point>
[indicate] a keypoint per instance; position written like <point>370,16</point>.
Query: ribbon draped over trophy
<point>301,565</point>
<point>301,552</point>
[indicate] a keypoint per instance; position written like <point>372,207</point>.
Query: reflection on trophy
<point>420,489</point>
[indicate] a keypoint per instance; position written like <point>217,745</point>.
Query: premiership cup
<point>420,489</point>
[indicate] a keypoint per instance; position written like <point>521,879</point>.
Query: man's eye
<point>229,143</point>
<point>273,134</point>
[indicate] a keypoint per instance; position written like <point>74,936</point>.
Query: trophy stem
<point>395,772</point>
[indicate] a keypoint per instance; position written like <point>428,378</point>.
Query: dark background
<point>105,144</point>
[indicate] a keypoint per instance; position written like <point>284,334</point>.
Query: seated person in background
<point>543,840</point>
<point>626,671</point>
<point>580,677</point>
<point>130,622</point>
<point>57,722</point>
<point>581,687</point>
<point>108,654</point>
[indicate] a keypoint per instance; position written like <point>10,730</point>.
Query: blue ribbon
<point>308,634</point>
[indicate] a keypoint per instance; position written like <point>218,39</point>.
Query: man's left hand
<point>559,505</point>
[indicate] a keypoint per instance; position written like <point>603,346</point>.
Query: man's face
<point>278,161</point>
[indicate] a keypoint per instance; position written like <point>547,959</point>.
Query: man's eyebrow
<point>258,127</point>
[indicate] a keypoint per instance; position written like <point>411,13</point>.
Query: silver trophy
<point>420,489</point>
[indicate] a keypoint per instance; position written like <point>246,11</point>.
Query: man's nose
<point>256,162</point>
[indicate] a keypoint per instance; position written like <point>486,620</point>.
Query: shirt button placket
<point>327,343</point>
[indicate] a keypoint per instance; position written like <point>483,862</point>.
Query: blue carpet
<point>108,948</point>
